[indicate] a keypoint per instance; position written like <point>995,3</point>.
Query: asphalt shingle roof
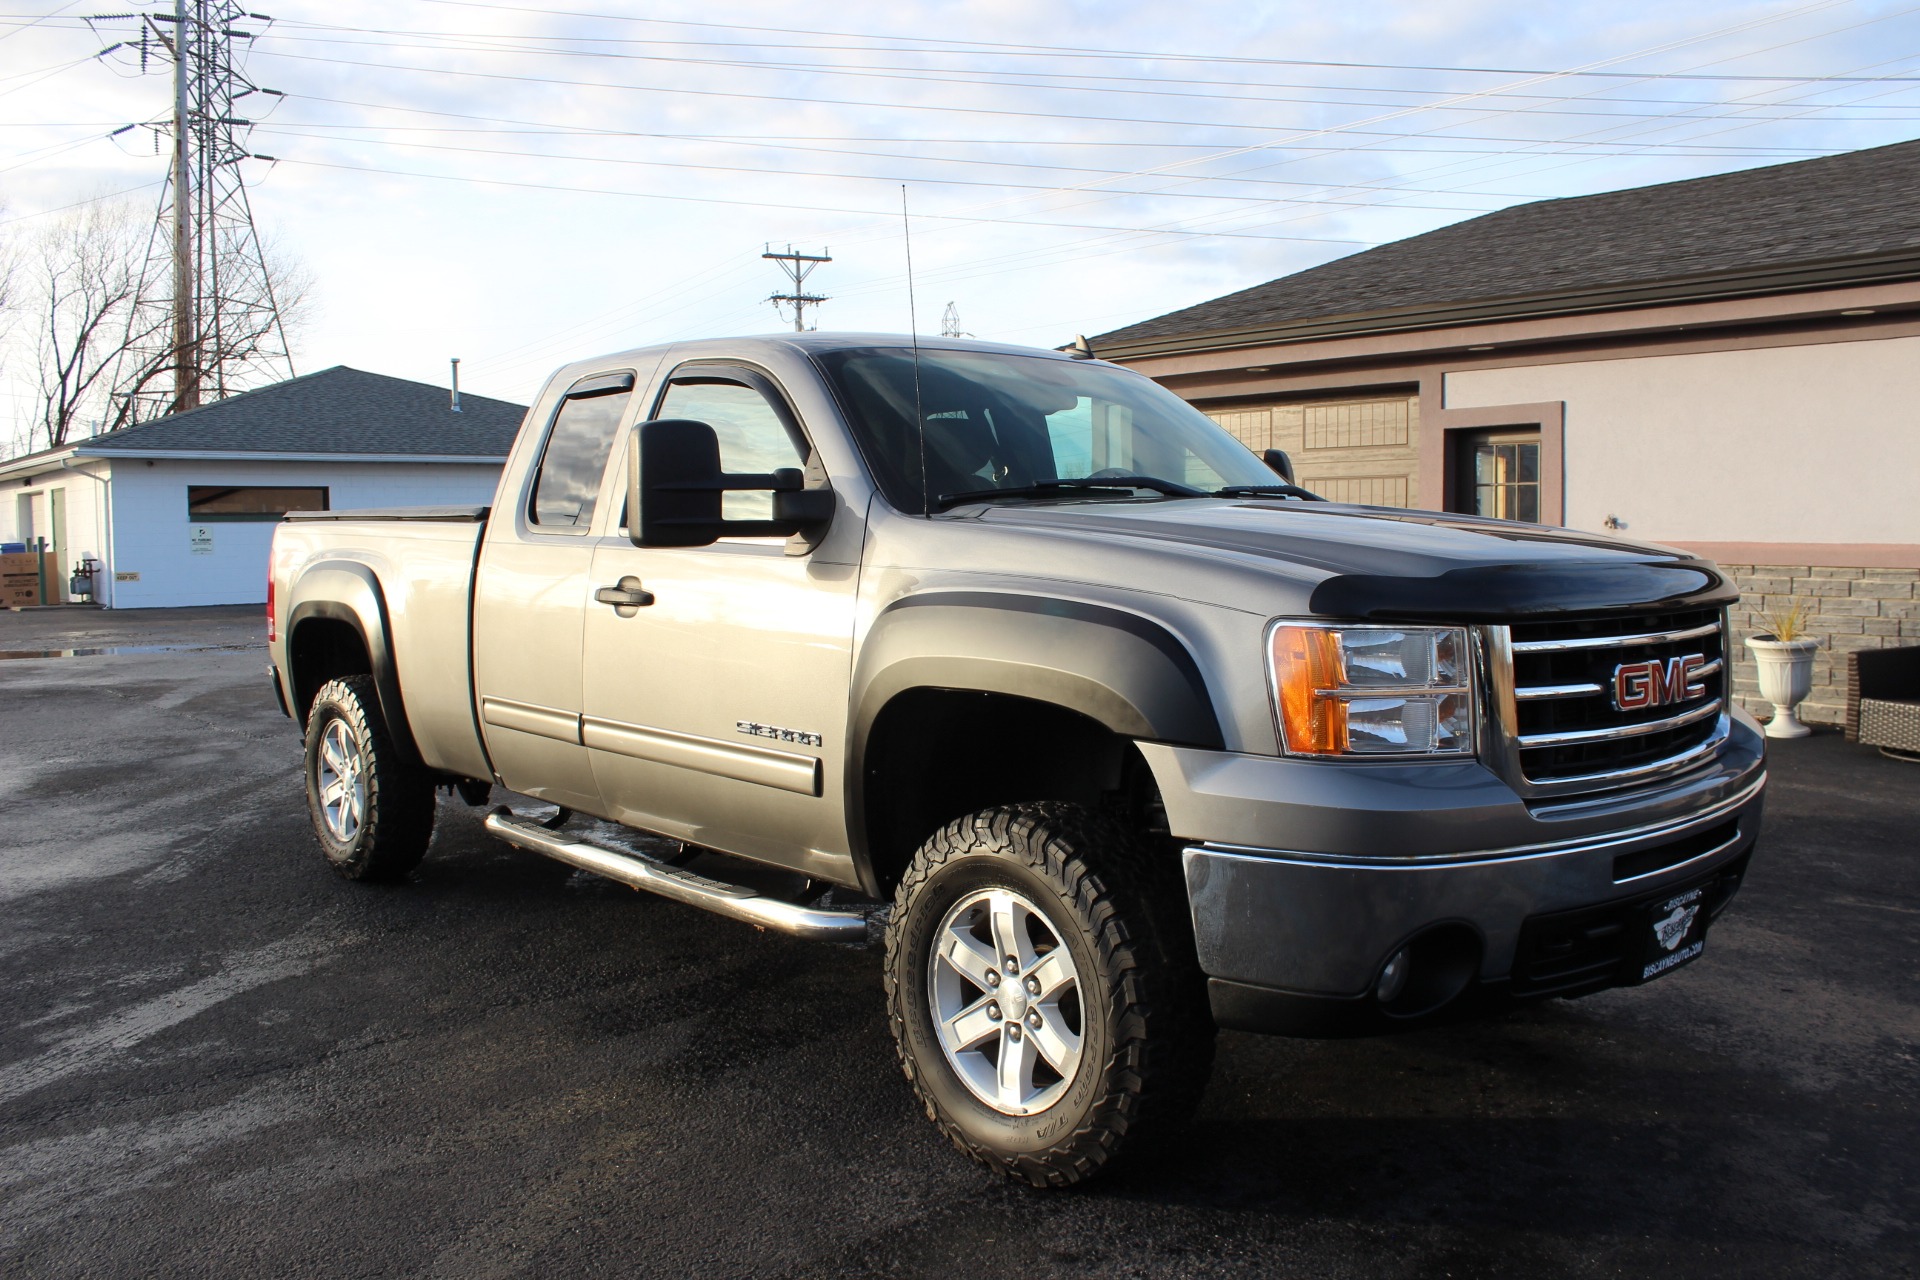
<point>1859,203</point>
<point>335,411</point>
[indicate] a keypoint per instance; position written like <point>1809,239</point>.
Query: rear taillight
<point>271,637</point>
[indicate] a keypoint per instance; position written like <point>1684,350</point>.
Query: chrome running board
<point>633,868</point>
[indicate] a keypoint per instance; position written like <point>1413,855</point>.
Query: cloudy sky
<point>519,186</point>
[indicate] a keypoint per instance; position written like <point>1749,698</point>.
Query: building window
<point>251,502</point>
<point>1499,475</point>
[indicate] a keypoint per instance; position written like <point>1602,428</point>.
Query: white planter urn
<point>1786,676</point>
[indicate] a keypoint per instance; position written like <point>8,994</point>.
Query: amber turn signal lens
<point>1306,667</point>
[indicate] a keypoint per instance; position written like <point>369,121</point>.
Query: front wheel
<point>1042,992</point>
<point>372,809</point>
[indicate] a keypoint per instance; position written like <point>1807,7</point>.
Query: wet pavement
<point>217,1058</point>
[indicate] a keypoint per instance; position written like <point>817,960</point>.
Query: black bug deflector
<point>1507,592</point>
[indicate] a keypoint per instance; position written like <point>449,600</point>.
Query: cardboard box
<point>19,562</point>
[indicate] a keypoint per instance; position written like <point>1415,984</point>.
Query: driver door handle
<point>628,595</point>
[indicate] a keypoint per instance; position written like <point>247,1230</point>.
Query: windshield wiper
<point>1267,491</point>
<point>1090,484</point>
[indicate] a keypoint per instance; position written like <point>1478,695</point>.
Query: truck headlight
<point>1343,690</point>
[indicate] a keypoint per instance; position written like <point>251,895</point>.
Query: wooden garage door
<point>1359,450</point>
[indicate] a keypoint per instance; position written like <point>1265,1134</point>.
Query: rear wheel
<point>1042,992</point>
<point>372,810</point>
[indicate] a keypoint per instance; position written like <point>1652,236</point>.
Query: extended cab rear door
<point>716,712</point>
<point>531,594</point>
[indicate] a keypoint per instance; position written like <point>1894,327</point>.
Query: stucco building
<point>1728,364</point>
<point>180,510</point>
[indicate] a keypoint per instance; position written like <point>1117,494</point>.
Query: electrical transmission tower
<point>208,323</point>
<point>950,322</point>
<point>798,267</point>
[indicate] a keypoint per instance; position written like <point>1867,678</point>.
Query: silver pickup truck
<point>1113,733</point>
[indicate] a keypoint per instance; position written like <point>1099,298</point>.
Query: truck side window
<point>753,439</point>
<point>565,490</point>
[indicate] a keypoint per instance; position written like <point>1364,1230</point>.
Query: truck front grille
<point>1567,731</point>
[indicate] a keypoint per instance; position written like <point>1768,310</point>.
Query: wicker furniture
<point>1883,699</point>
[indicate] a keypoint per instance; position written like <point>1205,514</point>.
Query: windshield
<point>1011,422</point>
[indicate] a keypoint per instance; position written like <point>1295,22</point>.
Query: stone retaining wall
<point>1850,609</point>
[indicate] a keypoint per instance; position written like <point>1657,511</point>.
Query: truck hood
<point>1391,564</point>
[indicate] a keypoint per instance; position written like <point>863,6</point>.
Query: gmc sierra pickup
<point>1015,659</point>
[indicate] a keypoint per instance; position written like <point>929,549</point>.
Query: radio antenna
<point>913,327</point>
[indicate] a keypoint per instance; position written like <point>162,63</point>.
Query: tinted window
<point>753,439</point>
<point>991,421</point>
<point>569,481</point>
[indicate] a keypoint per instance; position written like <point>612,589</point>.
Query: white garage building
<point>180,510</point>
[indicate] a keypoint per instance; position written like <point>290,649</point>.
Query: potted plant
<point>1784,655</point>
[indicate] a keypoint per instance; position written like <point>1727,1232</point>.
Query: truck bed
<point>423,559</point>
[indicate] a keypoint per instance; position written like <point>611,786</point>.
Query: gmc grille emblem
<point>1640,686</point>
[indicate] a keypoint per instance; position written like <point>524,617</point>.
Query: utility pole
<point>798,267</point>
<point>186,356</point>
<point>207,320</point>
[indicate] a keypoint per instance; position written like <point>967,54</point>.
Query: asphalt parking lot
<point>217,1058</point>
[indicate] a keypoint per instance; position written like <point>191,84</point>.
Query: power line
<point>1121,242</point>
<point>1001,184</point>
<point>1352,128</point>
<point>781,140</point>
<point>956,47</point>
<point>1110,231</point>
<point>1012,49</point>
<point>1122,85</point>
<point>817,101</point>
<point>53,13</point>
<point>757,204</point>
<point>78,204</point>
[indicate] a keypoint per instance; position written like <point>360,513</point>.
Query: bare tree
<point>82,275</point>
<point>99,295</point>
<point>19,426</point>
<point>247,312</point>
<point>9,286</point>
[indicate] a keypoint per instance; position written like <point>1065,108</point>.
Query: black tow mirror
<point>1280,464</point>
<point>675,486</point>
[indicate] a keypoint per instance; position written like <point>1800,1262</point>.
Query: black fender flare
<point>1120,669</point>
<point>349,591</point>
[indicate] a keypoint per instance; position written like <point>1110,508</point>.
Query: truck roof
<point>808,343</point>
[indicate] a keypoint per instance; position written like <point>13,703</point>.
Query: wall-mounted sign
<point>201,540</point>
<point>126,577</point>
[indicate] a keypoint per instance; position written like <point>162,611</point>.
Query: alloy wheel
<point>1006,1002</point>
<point>343,782</point>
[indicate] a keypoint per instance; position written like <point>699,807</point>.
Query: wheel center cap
<point>1016,1001</point>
